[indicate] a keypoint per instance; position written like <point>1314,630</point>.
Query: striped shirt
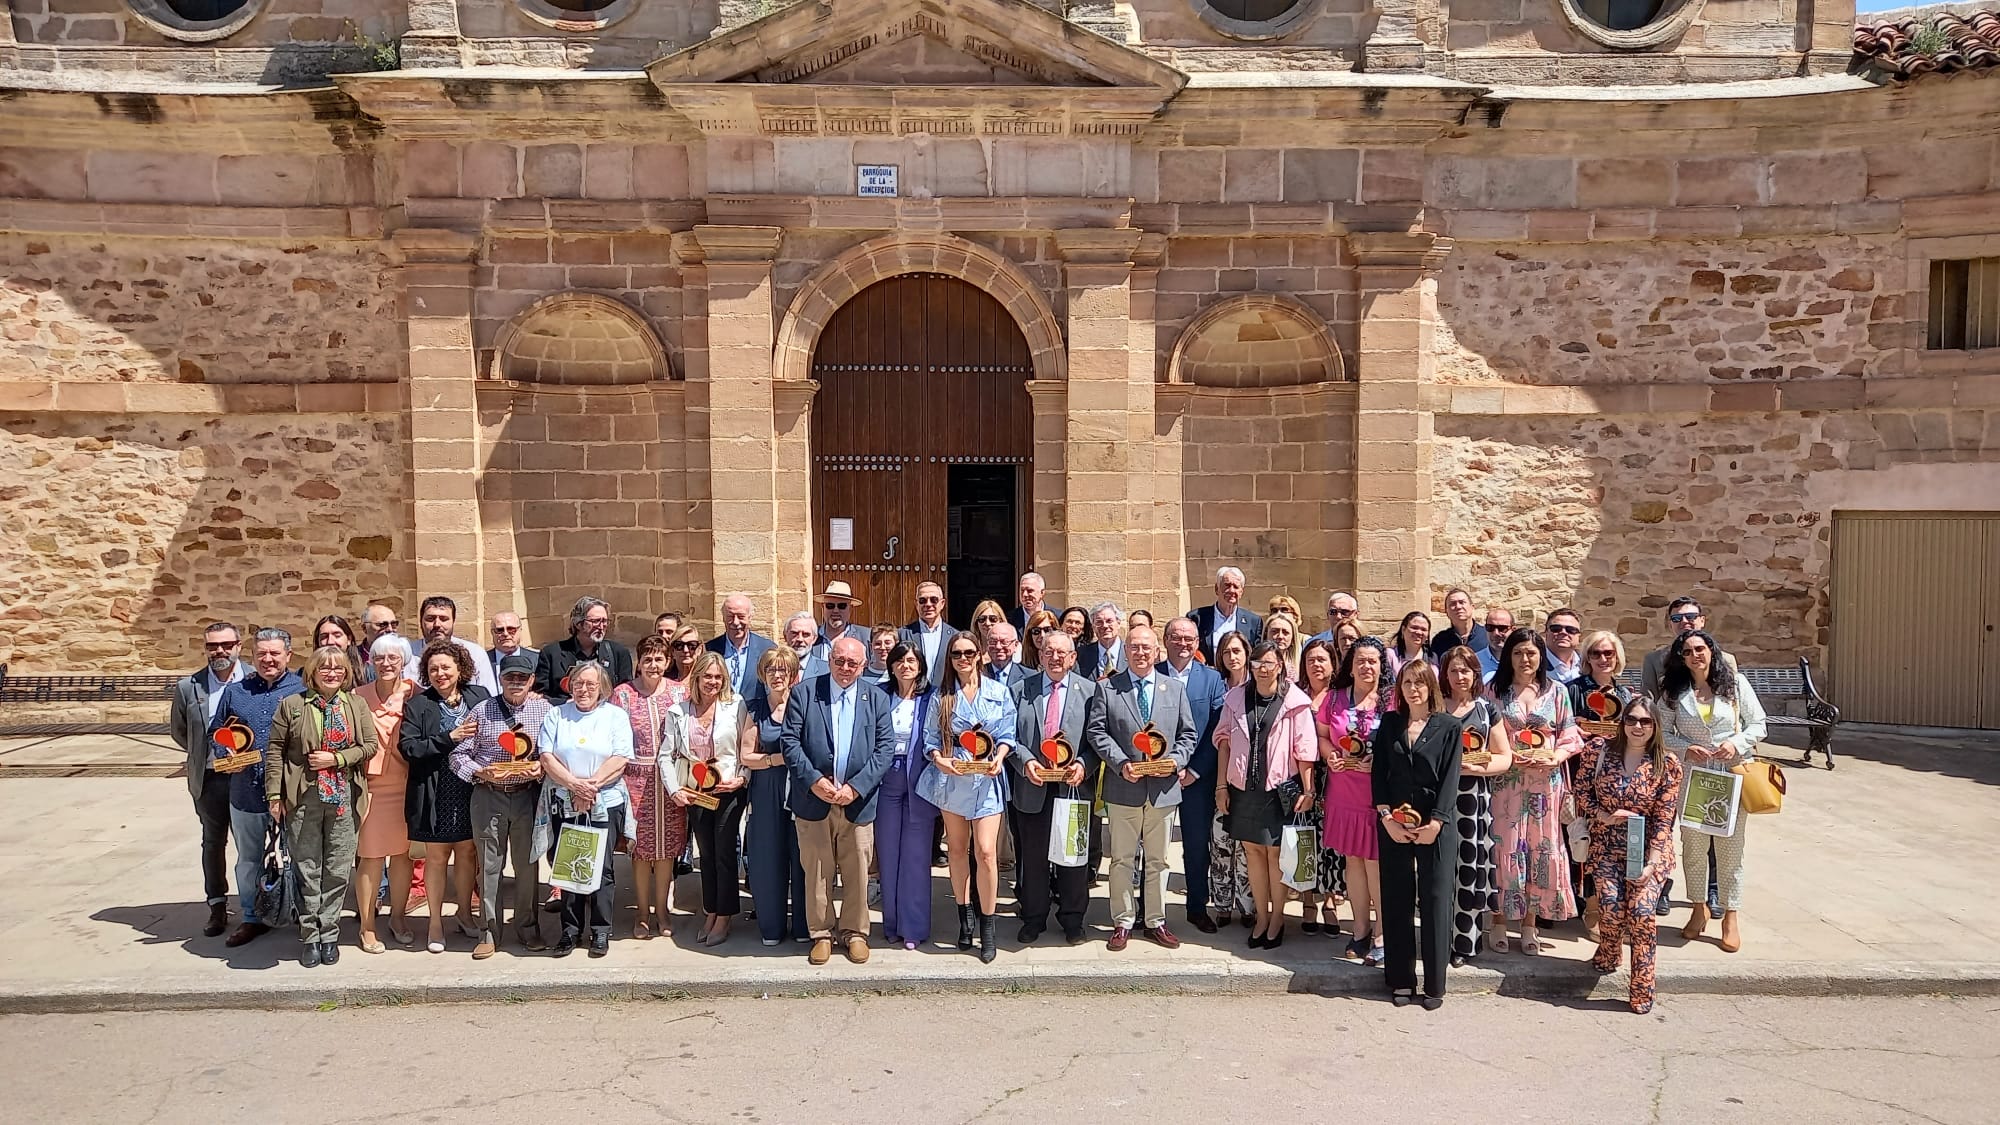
<point>483,748</point>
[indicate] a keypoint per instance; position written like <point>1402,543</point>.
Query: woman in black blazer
<point>438,802</point>
<point>1416,795</point>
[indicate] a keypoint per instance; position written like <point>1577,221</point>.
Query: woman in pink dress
<point>662,824</point>
<point>1347,719</point>
<point>385,831</point>
<point>1527,799</point>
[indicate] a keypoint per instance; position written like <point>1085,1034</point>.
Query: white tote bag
<point>1298,857</point>
<point>1069,832</point>
<point>578,865</point>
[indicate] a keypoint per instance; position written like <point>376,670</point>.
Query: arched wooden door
<point>923,445</point>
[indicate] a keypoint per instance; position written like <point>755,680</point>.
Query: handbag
<point>1763,782</point>
<point>277,898</point>
<point>1298,857</point>
<point>1069,831</point>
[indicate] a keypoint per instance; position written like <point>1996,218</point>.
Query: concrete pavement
<point>1873,880</point>
<point>1039,1059</point>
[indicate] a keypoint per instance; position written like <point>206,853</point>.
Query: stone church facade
<point>304,302</point>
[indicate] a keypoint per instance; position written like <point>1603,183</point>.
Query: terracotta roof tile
<point>1938,44</point>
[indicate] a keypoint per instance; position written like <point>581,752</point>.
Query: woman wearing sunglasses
<point>1040,624</point>
<point>985,616</point>
<point>970,800</point>
<point>681,651</point>
<point>1629,775</point>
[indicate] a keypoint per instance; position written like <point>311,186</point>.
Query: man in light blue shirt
<point>740,648</point>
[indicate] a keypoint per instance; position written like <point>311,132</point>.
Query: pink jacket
<point>1294,730</point>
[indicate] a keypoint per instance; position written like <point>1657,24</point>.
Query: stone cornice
<point>738,244</point>
<point>1412,250</point>
<point>803,110</point>
<point>426,246</point>
<point>517,103</point>
<point>1098,247</point>
<point>191,220</point>
<point>246,121</point>
<point>970,213</point>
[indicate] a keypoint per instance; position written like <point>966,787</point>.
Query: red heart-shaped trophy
<point>704,775</point>
<point>1473,740</point>
<point>1531,738</point>
<point>1604,705</point>
<point>1407,816</point>
<point>977,743</point>
<point>1149,742</point>
<point>516,743</point>
<point>562,685</point>
<point>1351,746</point>
<point>234,736</point>
<point>1056,751</point>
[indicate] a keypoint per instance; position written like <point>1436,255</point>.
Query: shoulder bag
<point>1763,782</point>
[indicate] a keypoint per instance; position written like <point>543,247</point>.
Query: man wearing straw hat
<point>838,603</point>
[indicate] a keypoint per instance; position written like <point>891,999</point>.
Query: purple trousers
<point>904,823</point>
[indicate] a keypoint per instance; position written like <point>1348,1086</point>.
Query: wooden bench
<point>20,690</point>
<point>1773,684</point>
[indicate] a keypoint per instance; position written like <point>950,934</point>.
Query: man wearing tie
<point>740,648</point>
<point>1104,656</point>
<point>838,742</point>
<point>1225,616</point>
<point>1053,701</point>
<point>1003,644</point>
<point>1032,589</point>
<point>1139,808</point>
<point>1204,693</point>
<point>929,634</point>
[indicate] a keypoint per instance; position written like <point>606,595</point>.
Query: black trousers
<point>1416,880</point>
<point>717,835</point>
<point>213,809</point>
<point>592,911</point>
<point>1035,878</point>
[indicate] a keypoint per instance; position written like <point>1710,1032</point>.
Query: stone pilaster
<point>441,417</point>
<point>1048,489</point>
<point>1393,432</point>
<point>1396,43</point>
<point>730,398</point>
<point>1160,574</point>
<point>433,40</point>
<point>1108,460</point>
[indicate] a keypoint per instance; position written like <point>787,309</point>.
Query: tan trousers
<point>1134,827</point>
<point>836,846</point>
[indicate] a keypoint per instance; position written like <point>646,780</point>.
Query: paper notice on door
<point>839,534</point>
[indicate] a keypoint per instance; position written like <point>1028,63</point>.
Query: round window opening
<point>1631,25</point>
<point>577,15</point>
<point>1254,19</point>
<point>195,21</point>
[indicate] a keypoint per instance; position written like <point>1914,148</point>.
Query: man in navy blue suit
<point>740,648</point>
<point>1212,621</point>
<point>929,633</point>
<point>1204,694</point>
<point>838,742</point>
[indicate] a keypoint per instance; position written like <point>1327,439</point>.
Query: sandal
<point>642,931</point>
<point>1496,939</point>
<point>1531,943</point>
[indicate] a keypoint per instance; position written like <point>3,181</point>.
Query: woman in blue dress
<point>970,801</point>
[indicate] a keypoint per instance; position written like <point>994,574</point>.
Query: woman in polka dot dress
<point>1478,885</point>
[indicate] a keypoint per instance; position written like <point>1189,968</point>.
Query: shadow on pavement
<point>181,922</point>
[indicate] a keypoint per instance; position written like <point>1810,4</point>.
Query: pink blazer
<point>1294,730</point>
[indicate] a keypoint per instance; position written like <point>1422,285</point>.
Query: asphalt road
<point>1049,1060</point>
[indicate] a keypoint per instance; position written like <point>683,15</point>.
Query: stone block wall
<point>506,171</point>
<point>1267,486</point>
<point>522,33</point>
<point>1201,272</point>
<point>1617,514</point>
<point>208,310</point>
<point>95,23</point>
<point>122,535</point>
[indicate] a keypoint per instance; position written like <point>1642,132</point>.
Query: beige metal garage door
<point>1916,597</point>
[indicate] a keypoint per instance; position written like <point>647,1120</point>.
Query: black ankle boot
<point>987,926</point>
<point>966,915</point>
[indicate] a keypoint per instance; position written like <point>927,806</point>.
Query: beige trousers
<point>830,847</point>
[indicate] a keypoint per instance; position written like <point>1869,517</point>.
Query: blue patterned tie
<point>1146,700</point>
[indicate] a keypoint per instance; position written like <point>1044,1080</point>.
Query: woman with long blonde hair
<point>708,737</point>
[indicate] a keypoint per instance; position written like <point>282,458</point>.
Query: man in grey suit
<point>1054,700</point>
<point>929,634</point>
<point>1140,809</point>
<point>195,698</point>
<point>838,743</point>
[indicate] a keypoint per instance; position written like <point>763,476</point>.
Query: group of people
<point>1478,779</point>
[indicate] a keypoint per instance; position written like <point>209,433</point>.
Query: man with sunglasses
<point>1559,640</point>
<point>195,699</point>
<point>929,634</point>
<point>507,640</point>
<point>377,621</point>
<point>1341,607</point>
<point>1499,626</point>
<point>1684,615</point>
<point>838,604</point>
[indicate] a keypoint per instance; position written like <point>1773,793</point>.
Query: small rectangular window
<point>1965,304</point>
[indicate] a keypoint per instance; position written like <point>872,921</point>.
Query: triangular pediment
<point>916,42</point>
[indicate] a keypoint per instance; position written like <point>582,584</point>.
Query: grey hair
<point>391,642</point>
<point>603,673</point>
<point>1039,580</point>
<point>804,616</point>
<point>1100,607</point>
<point>1231,572</point>
<point>582,609</point>
<point>1173,621</point>
<point>278,635</point>
<point>1344,594</point>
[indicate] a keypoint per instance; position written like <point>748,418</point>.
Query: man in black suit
<point>1032,588</point>
<point>838,743</point>
<point>929,634</point>
<point>1053,700</point>
<point>740,648</point>
<point>1226,615</point>
<point>589,624</point>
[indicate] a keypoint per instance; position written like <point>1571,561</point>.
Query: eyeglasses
<point>1690,615</point>
<point>989,619</point>
<point>506,628</point>
<point>1566,630</point>
<point>219,646</point>
<point>1040,629</point>
<point>389,624</point>
<point>1603,654</point>
<point>597,621</point>
<point>833,605</point>
<point>1337,611</point>
<point>928,601</point>
<point>686,646</point>
<point>1499,628</point>
<point>964,654</point>
<point>1638,721</point>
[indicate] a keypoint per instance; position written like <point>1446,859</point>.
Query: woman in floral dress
<point>662,825</point>
<point>1527,799</point>
<point>1632,775</point>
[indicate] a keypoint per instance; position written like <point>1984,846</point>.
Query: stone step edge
<point>1206,977</point>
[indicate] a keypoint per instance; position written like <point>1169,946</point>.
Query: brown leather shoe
<point>857,949</point>
<point>822,951</point>
<point>1163,936</point>
<point>218,921</point>
<point>482,951</point>
<point>245,934</point>
<point>1119,937</point>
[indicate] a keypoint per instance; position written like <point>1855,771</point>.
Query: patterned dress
<point>1478,882</point>
<point>662,825</point>
<point>1527,819</point>
<point>1604,786</point>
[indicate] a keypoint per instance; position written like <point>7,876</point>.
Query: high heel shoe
<point>1697,923</point>
<point>1732,933</point>
<point>966,916</point>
